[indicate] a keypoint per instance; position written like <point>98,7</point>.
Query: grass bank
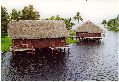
<point>69,40</point>
<point>5,43</point>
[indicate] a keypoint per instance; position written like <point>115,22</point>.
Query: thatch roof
<point>37,29</point>
<point>89,27</point>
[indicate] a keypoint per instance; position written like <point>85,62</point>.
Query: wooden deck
<point>32,50</point>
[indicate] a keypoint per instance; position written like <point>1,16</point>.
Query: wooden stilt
<point>98,40</point>
<point>68,50</point>
<point>88,39</point>
<point>52,51</point>
<point>34,51</point>
<point>64,49</point>
<point>59,50</point>
<point>14,53</point>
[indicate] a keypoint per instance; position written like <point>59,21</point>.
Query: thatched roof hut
<point>36,29</point>
<point>89,27</point>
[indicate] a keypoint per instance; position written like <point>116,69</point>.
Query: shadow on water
<point>88,43</point>
<point>42,66</point>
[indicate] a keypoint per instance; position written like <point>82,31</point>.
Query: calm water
<point>86,61</point>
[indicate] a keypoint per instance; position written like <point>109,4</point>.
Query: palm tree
<point>78,17</point>
<point>68,23</point>
<point>104,22</point>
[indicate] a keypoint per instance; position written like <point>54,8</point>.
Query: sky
<point>93,10</point>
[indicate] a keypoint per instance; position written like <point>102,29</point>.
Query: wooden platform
<point>86,37</point>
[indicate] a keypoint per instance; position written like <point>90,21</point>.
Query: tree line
<point>28,13</point>
<point>112,24</point>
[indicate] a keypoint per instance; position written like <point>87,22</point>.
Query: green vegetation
<point>78,17</point>
<point>3,35</point>
<point>72,33</point>
<point>5,43</point>
<point>69,40</point>
<point>112,29</point>
<point>112,24</point>
<point>67,21</point>
<point>4,19</point>
<point>104,22</point>
<point>54,18</point>
<point>27,13</point>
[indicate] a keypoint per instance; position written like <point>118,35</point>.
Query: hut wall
<point>85,34</point>
<point>38,43</point>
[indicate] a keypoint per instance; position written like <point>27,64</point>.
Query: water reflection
<point>86,61</point>
<point>37,67</point>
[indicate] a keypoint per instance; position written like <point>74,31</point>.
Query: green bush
<point>3,35</point>
<point>69,41</point>
<point>5,43</point>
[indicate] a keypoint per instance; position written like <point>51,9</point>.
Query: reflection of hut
<point>37,34</point>
<point>88,29</point>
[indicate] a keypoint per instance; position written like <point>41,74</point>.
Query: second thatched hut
<point>88,29</point>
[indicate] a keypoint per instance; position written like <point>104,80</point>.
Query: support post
<point>14,53</point>
<point>64,49</point>
<point>68,50</point>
